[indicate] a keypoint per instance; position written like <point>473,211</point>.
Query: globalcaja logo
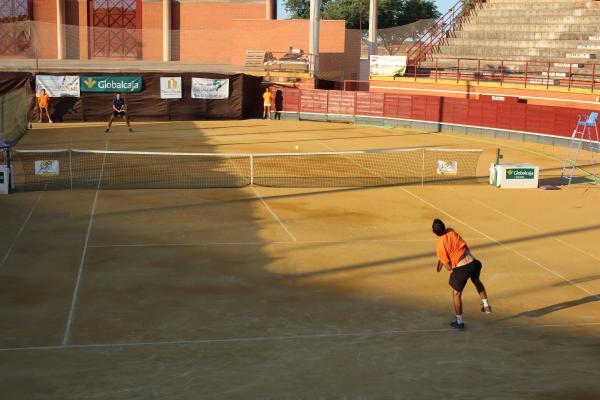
<point>520,173</point>
<point>89,82</point>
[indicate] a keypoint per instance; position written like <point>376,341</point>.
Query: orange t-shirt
<point>43,100</point>
<point>267,97</point>
<point>451,248</point>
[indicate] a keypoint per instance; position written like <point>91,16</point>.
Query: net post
<point>251,169</point>
<point>423,168</point>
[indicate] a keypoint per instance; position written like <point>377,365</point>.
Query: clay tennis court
<point>295,293</point>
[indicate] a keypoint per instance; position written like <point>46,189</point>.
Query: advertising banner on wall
<point>111,84</point>
<point>387,65</point>
<point>57,85</point>
<point>170,88</point>
<point>212,89</point>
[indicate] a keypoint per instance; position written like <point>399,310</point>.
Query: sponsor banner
<point>47,168</point>
<point>111,84</point>
<point>447,167</point>
<point>213,89</point>
<point>57,85</point>
<point>520,173</point>
<point>170,88</point>
<point>387,65</point>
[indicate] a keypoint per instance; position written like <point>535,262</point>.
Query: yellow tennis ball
<point>296,147</point>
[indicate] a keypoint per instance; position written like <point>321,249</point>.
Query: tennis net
<point>73,169</point>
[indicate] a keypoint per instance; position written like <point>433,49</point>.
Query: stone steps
<point>478,35</point>
<point>526,27</point>
<point>518,43</point>
<point>543,20</point>
<point>511,52</point>
<point>537,12</point>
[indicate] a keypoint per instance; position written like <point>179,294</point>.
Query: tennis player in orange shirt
<point>43,101</point>
<point>454,255</point>
<point>267,103</point>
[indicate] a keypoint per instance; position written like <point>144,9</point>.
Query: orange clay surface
<point>270,293</point>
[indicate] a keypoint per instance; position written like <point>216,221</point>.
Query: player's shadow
<point>540,312</point>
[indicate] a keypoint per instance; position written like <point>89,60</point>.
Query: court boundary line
<point>331,335</point>
<point>20,231</point>
<point>77,288</point>
<point>273,214</point>
<point>538,230</point>
<point>524,256</point>
<point>264,243</point>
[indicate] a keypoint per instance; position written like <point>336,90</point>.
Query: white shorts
<point>268,105</point>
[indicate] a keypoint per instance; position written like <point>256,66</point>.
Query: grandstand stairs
<point>506,33</point>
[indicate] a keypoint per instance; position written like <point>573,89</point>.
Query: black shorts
<point>119,114</point>
<point>459,276</point>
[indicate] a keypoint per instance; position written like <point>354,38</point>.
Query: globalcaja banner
<point>57,85</point>
<point>111,84</point>
<point>213,89</point>
<point>170,88</point>
<point>387,65</point>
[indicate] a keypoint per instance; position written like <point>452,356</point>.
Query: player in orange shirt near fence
<point>267,101</point>
<point>43,101</point>
<point>454,255</point>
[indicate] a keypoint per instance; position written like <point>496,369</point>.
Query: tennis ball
<point>296,147</point>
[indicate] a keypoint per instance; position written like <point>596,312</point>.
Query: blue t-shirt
<point>118,103</point>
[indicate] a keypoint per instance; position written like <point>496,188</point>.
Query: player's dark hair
<point>438,227</point>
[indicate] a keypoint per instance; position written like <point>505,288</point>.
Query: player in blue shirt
<point>119,110</point>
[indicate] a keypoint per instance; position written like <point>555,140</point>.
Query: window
<point>116,28</point>
<point>15,28</point>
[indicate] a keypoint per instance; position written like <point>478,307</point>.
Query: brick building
<point>172,32</point>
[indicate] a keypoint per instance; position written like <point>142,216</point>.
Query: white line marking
<point>290,337</point>
<point>273,214</point>
<point>499,243</point>
<point>264,243</point>
<point>75,298</point>
<point>493,239</point>
<point>21,229</point>
<point>538,230</point>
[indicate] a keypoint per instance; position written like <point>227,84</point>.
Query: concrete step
<point>478,35</point>
<point>539,5</point>
<point>507,52</point>
<point>501,3</point>
<point>516,42</point>
<point>537,12</point>
<point>534,20</point>
<point>592,29</point>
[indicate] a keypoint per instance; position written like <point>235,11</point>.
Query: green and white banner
<point>387,65</point>
<point>212,89</point>
<point>520,173</point>
<point>111,84</point>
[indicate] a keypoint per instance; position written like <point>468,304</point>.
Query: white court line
<point>274,215</point>
<point>21,229</point>
<point>289,337</point>
<point>491,238</point>
<point>538,230</point>
<point>500,243</point>
<point>75,298</point>
<point>264,243</point>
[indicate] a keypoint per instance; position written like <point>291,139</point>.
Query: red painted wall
<point>559,121</point>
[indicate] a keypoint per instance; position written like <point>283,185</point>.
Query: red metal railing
<point>524,72</point>
<point>442,29</point>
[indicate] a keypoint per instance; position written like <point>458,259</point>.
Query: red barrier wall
<point>559,121</point>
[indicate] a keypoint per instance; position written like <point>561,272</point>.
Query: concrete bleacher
<point>565,32</point>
